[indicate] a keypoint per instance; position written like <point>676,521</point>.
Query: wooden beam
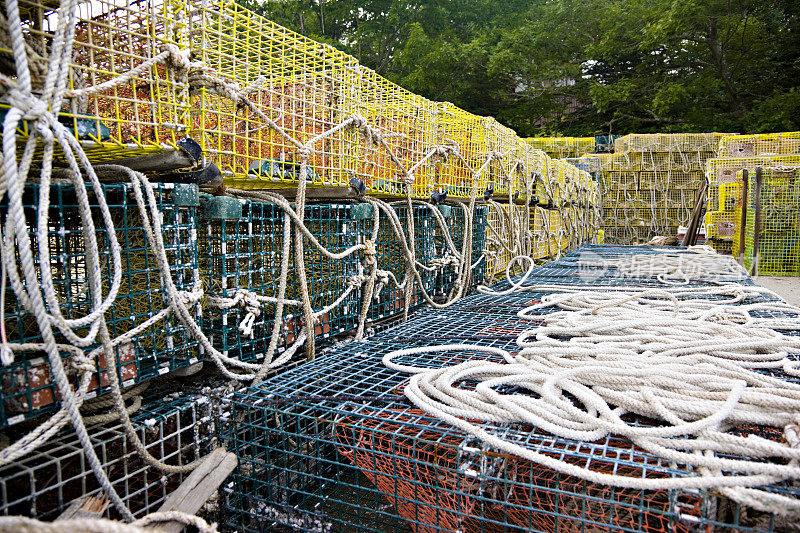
<point>694,223</point>
<point>196,489</point>
<point>84,507</point>
<point>756,223</point>
<point>743,222</point>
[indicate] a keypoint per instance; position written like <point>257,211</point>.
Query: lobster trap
<point>456,225</point>
<point>778,252</point>
<point>241,249</point>
<point>334,446</point>
<point>302,88</point>
<point>735,146</point>
<point>563,147</point>
<point>389,300</point>
<point>175,427</point>
<point>26,386</point>
<point>668,142</point>
<point>145,114</point>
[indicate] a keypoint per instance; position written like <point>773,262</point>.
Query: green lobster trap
<point>26,386</point>
<point>388,299</point>
<point>241,248</point>
<point>456,220</point>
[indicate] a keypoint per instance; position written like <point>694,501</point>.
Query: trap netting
<point>737,146</point>
<point>149,341</point>
<point>174,425</point>
<point>334,445</point>
<point>776,155</point>
<point>130,111</point>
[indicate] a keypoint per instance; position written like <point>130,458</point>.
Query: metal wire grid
<point>650,184</point>
<point>445,325</point>
<point>145,114</point>
<point>331,445</point>
<point>567,270</point>
<point>388,301</point>
<point>446,278</point>
<point>245,253</point>
<point>469,132</point>
<point>26,388</point>
<point>241,254</point>
<point>174,426</point>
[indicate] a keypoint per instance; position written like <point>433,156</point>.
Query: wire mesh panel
<point>305,87</point>
<point>446,278</point>
<point>147,113</point>
<point>660,175</point>
<point>389,300</point>
<point>26,387</point>
<point>467,133</point>
<point>332,226</point>
<point>409,122</point>
<point>240,255</point>
<point>174,427</point>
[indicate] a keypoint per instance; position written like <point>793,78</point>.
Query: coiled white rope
<point>697,262</point>
<point>690,365</point>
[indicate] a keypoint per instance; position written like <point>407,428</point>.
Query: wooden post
<point>743,223</point>
<point>756,223</point>
<point>694,223</point>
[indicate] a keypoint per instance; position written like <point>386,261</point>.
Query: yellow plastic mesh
<point>143,115</point>
<point>738,146</point>
<point>562,147</point>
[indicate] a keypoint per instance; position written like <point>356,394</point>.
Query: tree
<point>580,68</point>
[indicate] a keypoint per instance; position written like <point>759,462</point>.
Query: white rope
<point>19,524</point>
<point>39,297</point>
<point>679,356</point>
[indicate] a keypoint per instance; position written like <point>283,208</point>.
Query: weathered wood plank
<point>198,487</point>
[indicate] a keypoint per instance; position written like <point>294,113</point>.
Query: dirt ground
<point>787,287</point>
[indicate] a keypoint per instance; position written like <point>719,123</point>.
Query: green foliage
<point>578,68</point>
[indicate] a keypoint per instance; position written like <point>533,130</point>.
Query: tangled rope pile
<point>690,360</point>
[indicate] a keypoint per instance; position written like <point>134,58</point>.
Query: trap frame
<point>26,388</point>
<point>175,428</point>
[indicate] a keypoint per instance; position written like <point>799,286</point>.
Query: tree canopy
<point>585,67</point>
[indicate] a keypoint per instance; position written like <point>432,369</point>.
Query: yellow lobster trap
<point>738,146</point>
<point>263,92</point>
<point>126,94</point>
